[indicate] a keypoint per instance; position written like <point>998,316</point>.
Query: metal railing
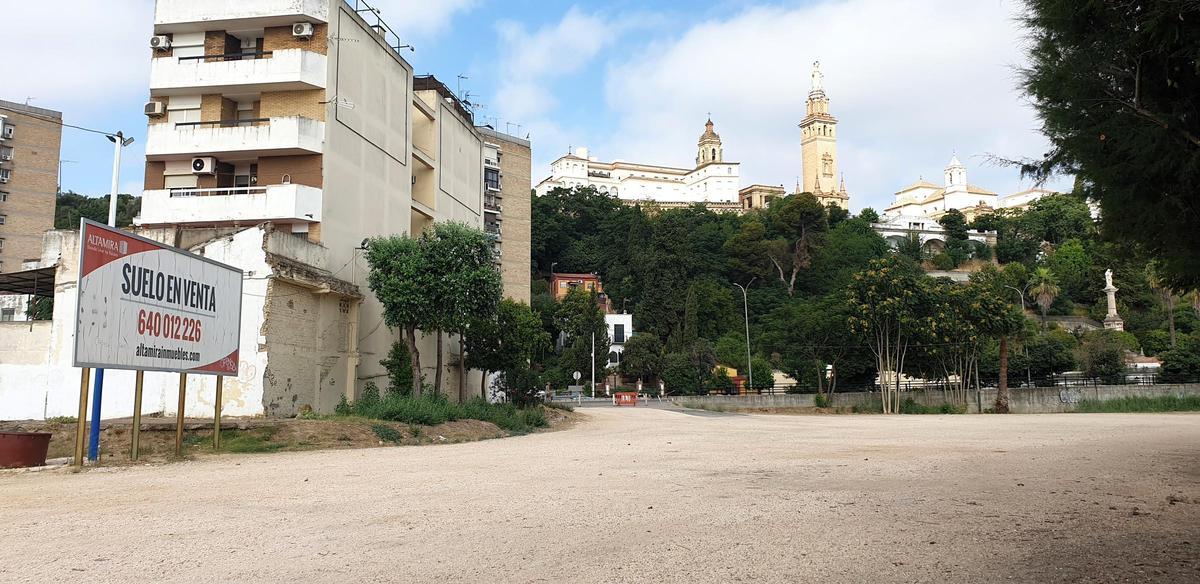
<point>224,123</point>
<point>222,191</point>
<point>228,56</point>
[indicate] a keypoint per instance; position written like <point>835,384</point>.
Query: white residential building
<point>712,180</point>
<point>924,199</point>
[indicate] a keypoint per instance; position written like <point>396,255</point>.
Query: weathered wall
<point>1042,400</point>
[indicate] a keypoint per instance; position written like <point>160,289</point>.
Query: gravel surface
<point>646,495</point>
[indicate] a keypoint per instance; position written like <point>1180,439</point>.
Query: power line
<point>56,121</point>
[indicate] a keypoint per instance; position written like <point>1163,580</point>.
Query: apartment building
<point>282,134</point>
<point>507,177</point>
<point>30,138</point>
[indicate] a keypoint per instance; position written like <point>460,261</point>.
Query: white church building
<point>712,180</point>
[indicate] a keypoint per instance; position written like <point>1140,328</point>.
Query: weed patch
<point>1136,404</point>
<point>433,410</point>
<point>387,433</point>
<point>256,440</point>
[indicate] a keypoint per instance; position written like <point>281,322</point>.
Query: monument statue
<point>1112,320</point>
<point>816,76</point>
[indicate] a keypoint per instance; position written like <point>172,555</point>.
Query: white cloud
<point>420,19</point>
<point>909,81</point>
<point>76,54</point>
<point>532,61</point>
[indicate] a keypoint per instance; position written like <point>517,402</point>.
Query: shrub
<point>520,385</point>
<point>943,261</point>
<point>821,400</point>
<point>1165,403</point>
<point>399,369</point>
<point>343,407</point>
<point>386,433</point>
<point>433,409</point>
<point>1179,365</point>
<point>369,397</point>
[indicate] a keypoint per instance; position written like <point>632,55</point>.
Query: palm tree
<point>1043,289</point>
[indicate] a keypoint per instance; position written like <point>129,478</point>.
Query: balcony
<point>491,203</point>
<point>493,230</point>
<point>291,203</point>
<point>249,138</point>
<point>492,185</point>
<point>190,15</point>
<point>286,70</point>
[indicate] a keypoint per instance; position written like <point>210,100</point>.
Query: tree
<point>642,358</point>
<point>1102,355</point>
<point>70,206</point>
<point>466,287</point>
<point>1071,264</point>
<point>1043,288</point>
<point>1115,87</point>
<point>399,278</point>
<point>800,221</point>
<point>998,318</point>
<point>507,342</point>
<point>887,304</point>
<point>579,318</point>
<point>1166,294</point>
<point>1180,366</point>
<point>868,215</point>
<point>399,368</point>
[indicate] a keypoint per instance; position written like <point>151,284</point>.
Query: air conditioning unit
<point>7,132</point>
<point>302,30</point>
<point>155,109</point>
<point>204,165</point>
<point>160,42</point>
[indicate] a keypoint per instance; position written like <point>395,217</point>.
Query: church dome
<point>709,134</point>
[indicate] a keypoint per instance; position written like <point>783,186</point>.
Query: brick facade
<point>301,170</point>
<point>28,206</point>
<point>279,104</point>
<point>278,38</point>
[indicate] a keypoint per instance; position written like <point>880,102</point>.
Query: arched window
<point>714,154</point>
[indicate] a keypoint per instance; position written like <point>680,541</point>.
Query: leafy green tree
<point>399,278</point>
<point>1102,355</point>
<point>642,358</point>
<point>868,215</point>
<point>398,365</point>
<point>467,287</point>
<point>507,342</point>
<point>678,375</point>
<point>1114,85</point>
<point>998,318</point>
<point>579,318</point>
<point>888,303</point>
<point>70,206</point>
<point>1071,265</point>
<point>1180,365</point>
<point>764,378</point>
<point>800,222</point>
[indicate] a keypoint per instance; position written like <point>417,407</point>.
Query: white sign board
<point>149,306</point>
<point>577,375</point>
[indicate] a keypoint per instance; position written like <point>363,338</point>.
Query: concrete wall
<point>367,173</point>
<point>1042,400</point>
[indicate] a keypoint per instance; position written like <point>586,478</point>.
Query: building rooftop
<point>29,109</point>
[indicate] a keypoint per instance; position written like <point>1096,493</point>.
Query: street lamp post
<point>746,311</point>
<point>1021,292</point>
<point>119,143</point>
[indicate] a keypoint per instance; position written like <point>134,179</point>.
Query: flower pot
<point>18,449</point>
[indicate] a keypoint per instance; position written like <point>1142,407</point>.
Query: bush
<point>433,409</point>
<point>910,406</point>
<point>343,407</point>
<point>943,261</point>
<point>370,396</point>
<point>520,385</point>
<point>399,368</point>
<point>821,400</point>
<point>1179,365</point>
<point>983,251</point>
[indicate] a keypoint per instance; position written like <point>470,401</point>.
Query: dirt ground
<point>646,495</point>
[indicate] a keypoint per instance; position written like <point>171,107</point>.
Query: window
<point>6,153</point>
<point>3,196</point>
<point>5,175</point>
<point>3,218</point>
<point>618,333</point>
<point>614,358</point>
<point>8,131</point>
<point>1,244</point>
<point>7,314</point>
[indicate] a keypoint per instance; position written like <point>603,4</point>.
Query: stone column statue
<point>816,76</point>
<point>1112,320</point>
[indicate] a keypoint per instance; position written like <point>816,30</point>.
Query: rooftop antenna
<point>29,99</point>
<point>460,91</point>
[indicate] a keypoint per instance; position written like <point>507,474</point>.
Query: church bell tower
<point>818,145</point>
<point>708,149</point>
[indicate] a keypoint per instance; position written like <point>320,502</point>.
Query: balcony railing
<point>228,56</point>
<point>290,203</point>
<point>492,229</point>
<point>258,71</point>
<point>260,136</point>
<point>491,203</point>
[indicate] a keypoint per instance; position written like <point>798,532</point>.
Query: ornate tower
<point>956,173</point>
<point>818,144</point>
<point>708,149</point>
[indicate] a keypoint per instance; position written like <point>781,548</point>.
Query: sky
<point>912,82</point>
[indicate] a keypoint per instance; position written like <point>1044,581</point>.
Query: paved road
<point>646,495</point>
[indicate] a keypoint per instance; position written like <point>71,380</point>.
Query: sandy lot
<point>645,495</point>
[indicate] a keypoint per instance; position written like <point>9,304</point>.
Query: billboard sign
<point>149,306</point>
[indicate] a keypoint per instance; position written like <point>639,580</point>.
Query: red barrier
<point>625,398</point>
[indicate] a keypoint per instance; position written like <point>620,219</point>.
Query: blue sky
<point>911,81</point>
